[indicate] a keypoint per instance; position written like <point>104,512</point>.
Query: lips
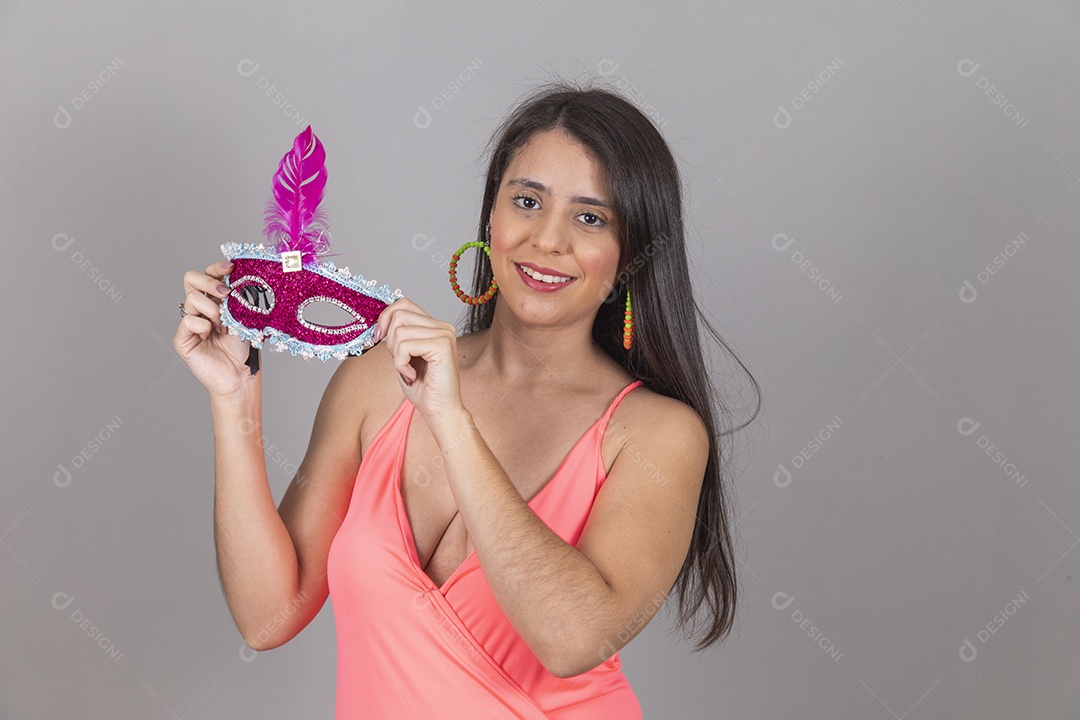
<point>540,285</point>
<point>544,270</point>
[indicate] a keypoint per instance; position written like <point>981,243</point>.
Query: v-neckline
<point>403,515</point>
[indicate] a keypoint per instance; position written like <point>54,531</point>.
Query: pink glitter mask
<point>273,286</point>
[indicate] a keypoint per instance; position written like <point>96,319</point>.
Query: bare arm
<point>272,561</point>
<point>576,606</point>
<point>255,556</point>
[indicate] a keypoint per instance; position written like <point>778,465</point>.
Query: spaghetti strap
<point>618,399</point>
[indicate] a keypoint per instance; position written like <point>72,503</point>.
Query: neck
<point>527,356</point>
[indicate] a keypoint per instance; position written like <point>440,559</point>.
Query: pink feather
<point>293,218</point>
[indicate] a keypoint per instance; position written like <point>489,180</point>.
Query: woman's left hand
<point>425,355</point>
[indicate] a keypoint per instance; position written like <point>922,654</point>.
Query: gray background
<point>136,139</point>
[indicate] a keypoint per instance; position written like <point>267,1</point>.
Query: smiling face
<point>553,213</point>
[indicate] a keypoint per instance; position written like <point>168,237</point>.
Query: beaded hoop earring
<point>462,296</point>
<point>628,324</point>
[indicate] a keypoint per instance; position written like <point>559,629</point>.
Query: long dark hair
<point>645,188</point>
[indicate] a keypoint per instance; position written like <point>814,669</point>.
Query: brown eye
<point>593,220</point>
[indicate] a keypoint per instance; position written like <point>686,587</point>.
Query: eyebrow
<point>540,187</point>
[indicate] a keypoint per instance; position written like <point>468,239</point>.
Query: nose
<point>549,236</point>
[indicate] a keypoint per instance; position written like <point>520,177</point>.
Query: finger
<point>198,304</point>
<point>394,318</point>
<point>195,280</point>
<point>403,302</point>
<point>402,355</point>
<point>190,328</point>
<point>406,329</point>
<point>388,313</point>
<point>411,329</point>
<point>426,348</point>
<point>219,269</point>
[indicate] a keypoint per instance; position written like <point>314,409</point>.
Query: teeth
<point>544,278</point>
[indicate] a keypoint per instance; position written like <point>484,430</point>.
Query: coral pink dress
<point>410,649</point>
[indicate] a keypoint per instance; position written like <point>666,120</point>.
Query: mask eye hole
<point>254,293</point>
<point>329,315</point>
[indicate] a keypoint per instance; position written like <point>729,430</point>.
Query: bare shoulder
<point>367,386</point>
<point>645,414</point>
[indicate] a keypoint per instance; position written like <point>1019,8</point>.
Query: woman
<point>495,515</point>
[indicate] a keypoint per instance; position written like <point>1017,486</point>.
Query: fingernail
<point>223,289</point>
<point>377,336</point>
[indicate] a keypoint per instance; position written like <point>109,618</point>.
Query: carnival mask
<point>271,287</point>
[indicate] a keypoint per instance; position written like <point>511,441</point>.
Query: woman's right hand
<point>215,357</point>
